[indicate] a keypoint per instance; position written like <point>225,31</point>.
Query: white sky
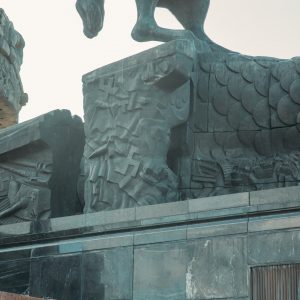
<point>57,54</point>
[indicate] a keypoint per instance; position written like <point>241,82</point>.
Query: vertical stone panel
<point>58,277</point>
<point>285,246</point>
<point>107,274</point>
<point>217,268</point>
<point>160,271</point>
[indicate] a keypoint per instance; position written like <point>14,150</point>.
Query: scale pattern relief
<point>250,137</point>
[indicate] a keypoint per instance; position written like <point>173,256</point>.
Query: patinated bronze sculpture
<point>190,13</point>
<point>238,133</point>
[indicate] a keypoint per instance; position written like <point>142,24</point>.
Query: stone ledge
<point>218,202</point>
<point>279,195</point>
<point>173,48</point>
<point>279,224</point>
<point>197,221</point>
<point>269,223</point>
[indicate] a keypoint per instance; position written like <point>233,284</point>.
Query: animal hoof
<point>142,32</point>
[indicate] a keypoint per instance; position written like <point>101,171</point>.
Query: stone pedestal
<point>196,249</point>
<point>177,122</point>
<point>12,96</point>
<point>168,124</point>
<point>39,168</point>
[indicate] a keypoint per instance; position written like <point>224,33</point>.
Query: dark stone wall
<point>194,250</point>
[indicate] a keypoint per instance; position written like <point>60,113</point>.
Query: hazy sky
<point>57,54</point>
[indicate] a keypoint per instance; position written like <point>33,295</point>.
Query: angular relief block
<point>12,96</point>
<point>39,167</point>
<point>130,108</point>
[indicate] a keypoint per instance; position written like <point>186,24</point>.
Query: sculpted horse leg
<point>146,28</point>
<point>190,13</point>
<point>92,15</point>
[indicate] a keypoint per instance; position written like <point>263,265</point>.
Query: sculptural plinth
<point>130,109</point>
<point>180,122</point>
<point>12,96</point>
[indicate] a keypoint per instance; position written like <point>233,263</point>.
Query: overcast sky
<point>57,54</point>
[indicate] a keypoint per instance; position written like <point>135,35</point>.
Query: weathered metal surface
<point>280,282</point>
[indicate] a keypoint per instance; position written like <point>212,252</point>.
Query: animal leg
<point>146,28</point>
<point>92,15</point>
<point>190,13</point>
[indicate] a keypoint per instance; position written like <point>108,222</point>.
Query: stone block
<point>276,206</point>
<point>14,275</point>
<point>160,272</point>
<point>67,223</point>
<point>218,202</point>
<point>107,274</point>
<point>279,195</point>
<point>217,268</point>
<point>274,247</point>
<point>212,215</point>
<point>58,277</point>
<point>165,220</point>
<point>160,235</point>
<point>16,229</point>
<point>162,210</point>
<point>68,248</point>
<point>39,168</point>
<point>212,229</point>
<point>275,222</point>
<point>109,217</point>
<point>120,240</point>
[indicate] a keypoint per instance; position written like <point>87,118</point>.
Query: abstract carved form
<point>12,97</point>
<point>130,109</point>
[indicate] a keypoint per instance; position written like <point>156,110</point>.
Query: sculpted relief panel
<point>250,138</point>
<point>39,168</point>
<point>157,133</point>
<point>24,186</point>
<point>129,116</point>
